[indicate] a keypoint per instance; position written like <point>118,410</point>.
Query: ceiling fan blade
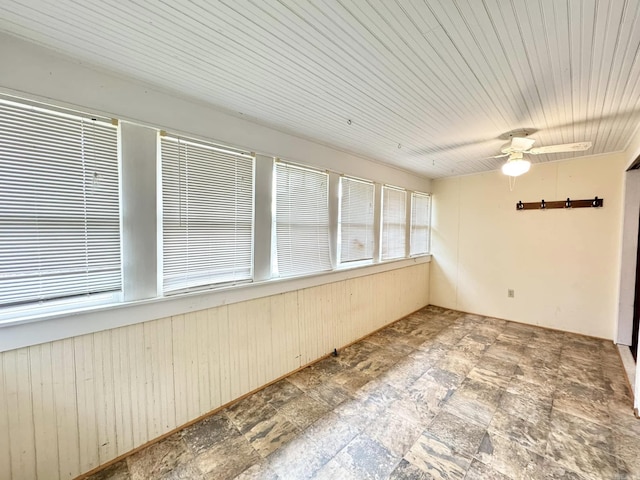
<point>567,147</point>
<point>500,156</point>
<point>520,144</point>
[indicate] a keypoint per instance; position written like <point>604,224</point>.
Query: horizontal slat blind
<point>420,215</point>
<point>356,219</point>
<point>394,221</point>
<point>302,220</point>
<point>207,219</point>
<point>59,205</point>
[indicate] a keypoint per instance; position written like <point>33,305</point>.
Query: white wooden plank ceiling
<point>431,86</point>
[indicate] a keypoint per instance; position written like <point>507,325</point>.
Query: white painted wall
<point>71,405</point>
<point>564,265</point>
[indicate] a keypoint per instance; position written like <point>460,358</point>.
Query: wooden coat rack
<point>568,203</point>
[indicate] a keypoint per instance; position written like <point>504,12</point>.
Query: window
<point>302,221</point>
<point>356,220</point>
<point>394,221</point>
<point>420,214</point>
<point>59,206</point>
<point>207,215</point>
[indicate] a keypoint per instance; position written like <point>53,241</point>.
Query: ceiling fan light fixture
<point>514,167</point>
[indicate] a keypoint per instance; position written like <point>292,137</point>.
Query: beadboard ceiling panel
<point>430,86</point>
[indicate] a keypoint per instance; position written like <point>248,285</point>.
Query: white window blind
<point>59,206</point>
<point>207,219</point>
<point>420,215</point>
<point>356,220</point>
<point>394,221</point>
<point>302,220</point>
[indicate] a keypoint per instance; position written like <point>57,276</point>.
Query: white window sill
<point>38,329</point>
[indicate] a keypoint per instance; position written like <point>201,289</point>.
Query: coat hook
<point>567,204</point>
<point>543,204</point>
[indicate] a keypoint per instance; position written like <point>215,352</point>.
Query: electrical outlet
<point>510,293</point>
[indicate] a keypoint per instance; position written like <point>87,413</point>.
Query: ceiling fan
<point>516,165</point>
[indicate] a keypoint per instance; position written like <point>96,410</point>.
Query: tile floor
<point>439,394</point>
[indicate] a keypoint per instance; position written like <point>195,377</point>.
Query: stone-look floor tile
<point>586,375</point>
<point>530,435</point>
<point>329,366</point>
<point>431,392</point>
<point>505,351</point>
<point>574,455</point>
<point>117,471</point>
<point>355,353</point>
<point>247,413</point>
<point>351,380</point>
<point>330,393</point>
<point>508,458</point>
<point>538,372</point>
<point>450,336</point>
<point>408,471</point>
<point>627,449</point>
<point>461,435</point>
<point>504,368</point>
<point>308,378</point>
<point>259,471</point>
<point>377,395</point>
<point>474,400</point>
<point>480,471</point>
<point>488,377</point>
<point>367,459</point>
<point>298,460</point>
<point>622,418</point>
<point>162,460</point>
<point>374,366</point>
<point>415,411</point>
<point>565,426</point>
<point>532,409</point>
<point>583,401</point>
<point>304,410</point>
<point>228,459</point>
<point>269,435</point>
<point>208,432</point>
<point>331,434</point>
<point>356,413</point>
<point>437,459</point>
<point>520,386</point>
<point>279,393</point>
<point>551,470</point>
<point>386,336</point>
<point>394,432</point>
<point>333,470</point>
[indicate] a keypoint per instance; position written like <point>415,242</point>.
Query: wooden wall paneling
<point>202,343</point>
<point>151,373</point>
<point>5,443</point>
<point>238,338</point>
<point>269,346</point>
<point>65,400</point>
<point>255,345</point>
<point>21,429</point>
<point>291,325</point>
<point>44,418</point>
<point>122,389</point>
<point>139,400</point>
<point>164,366</point>
<point>86,401</point>
<point>180,374</point>
<point>191,364</point>
<point>105,401</point>
<point>220,317</point>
